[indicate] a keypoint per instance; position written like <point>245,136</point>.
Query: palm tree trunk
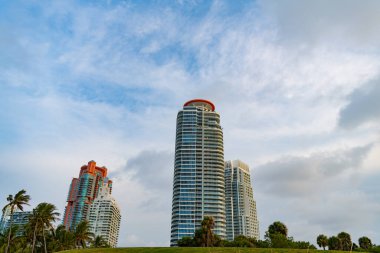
<point>10,230</point>
<point>34,237</point>
<point>43,234</point>
<point>9,237</point>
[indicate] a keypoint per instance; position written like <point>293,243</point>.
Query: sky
<point>296,83</point>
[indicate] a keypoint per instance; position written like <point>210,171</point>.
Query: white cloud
<point>105,83</point>
<point>334,23</point>
<point>312,194</point>
<point>308,176</point>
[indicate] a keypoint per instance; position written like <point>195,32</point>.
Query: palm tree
<point>208,225</point>
<point>83,234</point>
<point>322,241</point>
<point>345,239</point>
<point>204,237</point>
<point>18,201</point>
<point>10,233</point>
<point>99,242</point>
<point>365,243</point>
<point>277,228</point>
<point>334,243</point>
<point>22,243</point>
<point>42,218</point>
<point>64,239</point>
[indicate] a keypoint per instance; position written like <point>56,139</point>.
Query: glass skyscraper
<point>241,215</point>
<point>199,187</point>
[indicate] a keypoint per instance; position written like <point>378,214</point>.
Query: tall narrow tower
<point>241,213</point>
<point>198,188</point>
<point>83,190</point>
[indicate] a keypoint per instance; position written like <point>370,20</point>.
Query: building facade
<point>82,192</point>
<point>4,218</point>
<point>241,215</point>
<point>19,219</point>
<point>104,217</point>
<point>198,187</point>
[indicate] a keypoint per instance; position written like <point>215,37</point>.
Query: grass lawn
<point>191,250</point>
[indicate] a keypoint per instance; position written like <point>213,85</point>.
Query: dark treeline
<point>275,237</point>
<point>342,241</point>
<point>39,234</point>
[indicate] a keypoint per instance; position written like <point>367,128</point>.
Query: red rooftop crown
<point>200,101</point>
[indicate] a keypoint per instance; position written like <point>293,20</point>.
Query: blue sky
<point>296,84</point>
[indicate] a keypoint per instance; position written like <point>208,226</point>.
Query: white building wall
<point>104,217</point>
<point>241,215</point>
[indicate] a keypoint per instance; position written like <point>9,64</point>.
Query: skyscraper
<point>241,213</point>
<point>198,188</point>
<point>104,217</point>
<point>83,190</point>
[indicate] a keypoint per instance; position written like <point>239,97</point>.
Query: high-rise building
<point>198,188</point>
<point>241,215</point>
<point>19,219</point>
<point>104,217</point>
<point>83,190</point>
<point>4,218</point>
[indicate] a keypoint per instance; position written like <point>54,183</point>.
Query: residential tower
<point>198,187</point>
<point>241,215</point>
<point>82,192</point>
<point>104,217</point>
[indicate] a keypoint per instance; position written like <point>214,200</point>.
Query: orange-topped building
<point>82,192</point>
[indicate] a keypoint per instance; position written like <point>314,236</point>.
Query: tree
<point>262,244</point>
<point>41,220</point>
<point>204,237</point>
<point>334,243</point>
<point>355,247</point>
<point>21,243</point>
<point>186,241</point>
<point>64,240</point>
<point>345,239</point>
<point>243,241</point>
<point>99,242</point>
<point>82,234</point>
<point>48,214</point>
<point>322,241</point>
<point>16,202</point>
<point>365,243</point>
<point>277,235</point>
<point>278,240</point>
<point>277,228</point>
<point>302,245</point>
<point>3,239</point>
<point>375,249</point>
<point>10,234</point>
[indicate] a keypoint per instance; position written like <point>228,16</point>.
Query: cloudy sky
<point>297,85</point>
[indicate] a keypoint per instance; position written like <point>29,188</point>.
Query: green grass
<point>194,250</point>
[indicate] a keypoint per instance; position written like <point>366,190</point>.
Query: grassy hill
<point>194,250</point>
